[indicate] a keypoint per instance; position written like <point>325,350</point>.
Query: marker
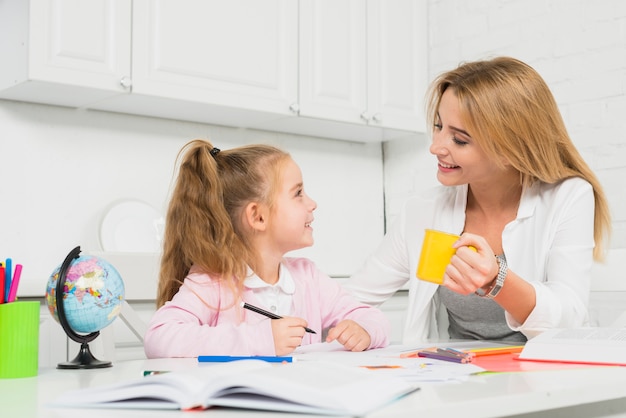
<point>8,268</point>
<point>225,359</point>
<point>1,284</point>
<point>269,314</point>
<point>15,283</point>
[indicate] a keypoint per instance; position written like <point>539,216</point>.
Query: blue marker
<point>224,359</point>
<point>8,271</point>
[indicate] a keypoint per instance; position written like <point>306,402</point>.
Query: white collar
<point>285,281</point>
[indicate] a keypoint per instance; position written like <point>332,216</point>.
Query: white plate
<point>132,226</point>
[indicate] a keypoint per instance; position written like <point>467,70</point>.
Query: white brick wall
<point>578,46</point>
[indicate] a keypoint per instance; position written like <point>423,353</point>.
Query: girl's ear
<point>255,216</point>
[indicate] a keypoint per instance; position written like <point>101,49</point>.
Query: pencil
<point>268,314</point>
<point>490,351</point>
<point>443,356</point>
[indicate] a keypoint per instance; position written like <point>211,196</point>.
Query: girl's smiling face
<point>292,212</point>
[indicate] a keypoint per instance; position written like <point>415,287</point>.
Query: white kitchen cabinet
<point>343,69</point>
<point>64,52</point>
<point>228,63</point>
<point>363,62</point>
<point>397,64</point>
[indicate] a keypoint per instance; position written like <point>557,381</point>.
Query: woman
<point>516,188</point>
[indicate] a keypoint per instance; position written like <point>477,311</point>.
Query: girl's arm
<point>191,325</point>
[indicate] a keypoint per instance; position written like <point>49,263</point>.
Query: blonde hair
<point>509,110</point>
<point>204,225</point>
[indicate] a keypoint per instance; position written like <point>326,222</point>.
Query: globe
<point>84,294</point>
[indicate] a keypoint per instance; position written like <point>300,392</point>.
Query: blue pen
<point>8,271</point>
<point>224,359</point>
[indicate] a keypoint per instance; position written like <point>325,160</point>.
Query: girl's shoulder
<point>197,276</point>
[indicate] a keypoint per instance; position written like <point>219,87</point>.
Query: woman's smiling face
<point>460,158</point>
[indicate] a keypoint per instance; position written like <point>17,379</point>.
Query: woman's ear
<point>255,216</point>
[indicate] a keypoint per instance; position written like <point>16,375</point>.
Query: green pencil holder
<point>19,339</point>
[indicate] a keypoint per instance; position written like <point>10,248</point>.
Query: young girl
<point>232,217</point>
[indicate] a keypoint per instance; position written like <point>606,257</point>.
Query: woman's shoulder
<point>568,187</point>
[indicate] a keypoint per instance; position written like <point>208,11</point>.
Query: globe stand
<point>84,359</point>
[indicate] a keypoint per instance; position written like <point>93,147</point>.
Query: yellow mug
<point>435,256</point>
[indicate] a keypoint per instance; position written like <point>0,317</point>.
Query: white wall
<point>60,169</point>
<point>578,46</point>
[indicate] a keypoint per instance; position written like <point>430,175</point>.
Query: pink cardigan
<point>190,325</point>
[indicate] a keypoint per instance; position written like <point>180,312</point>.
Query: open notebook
<point>301,387</point>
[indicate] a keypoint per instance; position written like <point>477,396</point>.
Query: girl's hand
<point>350,334</point>
<point>288,333</point>
<point>470,270</point>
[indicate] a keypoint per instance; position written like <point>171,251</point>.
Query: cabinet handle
<point>378,117</point>
<point>295,108</point>
<point>365,116</point>
<point>126,82</point>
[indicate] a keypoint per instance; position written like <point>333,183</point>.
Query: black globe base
<point>84,360</point>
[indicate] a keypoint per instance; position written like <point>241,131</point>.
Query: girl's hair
<point>205,219</point>
<point>510,112</point>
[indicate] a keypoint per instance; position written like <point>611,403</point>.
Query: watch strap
<point>498,281</point>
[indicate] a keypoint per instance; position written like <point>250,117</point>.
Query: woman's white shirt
<point>549,244</point>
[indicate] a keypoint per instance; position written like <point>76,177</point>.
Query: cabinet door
<point>232,54</point>
<point>333,60</point>
<point>364,62</point>
<point>65,52</point>
<point>397,66</point>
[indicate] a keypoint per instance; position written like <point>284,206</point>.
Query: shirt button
<point>273,308</point>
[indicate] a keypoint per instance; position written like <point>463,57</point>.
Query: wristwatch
<point>498,281</point>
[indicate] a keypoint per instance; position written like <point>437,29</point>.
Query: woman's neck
<point>494,199</point>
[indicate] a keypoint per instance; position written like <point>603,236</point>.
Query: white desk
<point>588,392</point>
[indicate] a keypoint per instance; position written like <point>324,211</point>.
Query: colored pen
<point>153,372</point>
<point>269,314</point>
<point>443,356</point>
<point>224,359</point>
<point>2,284</point>
<point>479,352</point>
<point>15,283</point>
<point>8,269</point>
<point>455,352</point>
